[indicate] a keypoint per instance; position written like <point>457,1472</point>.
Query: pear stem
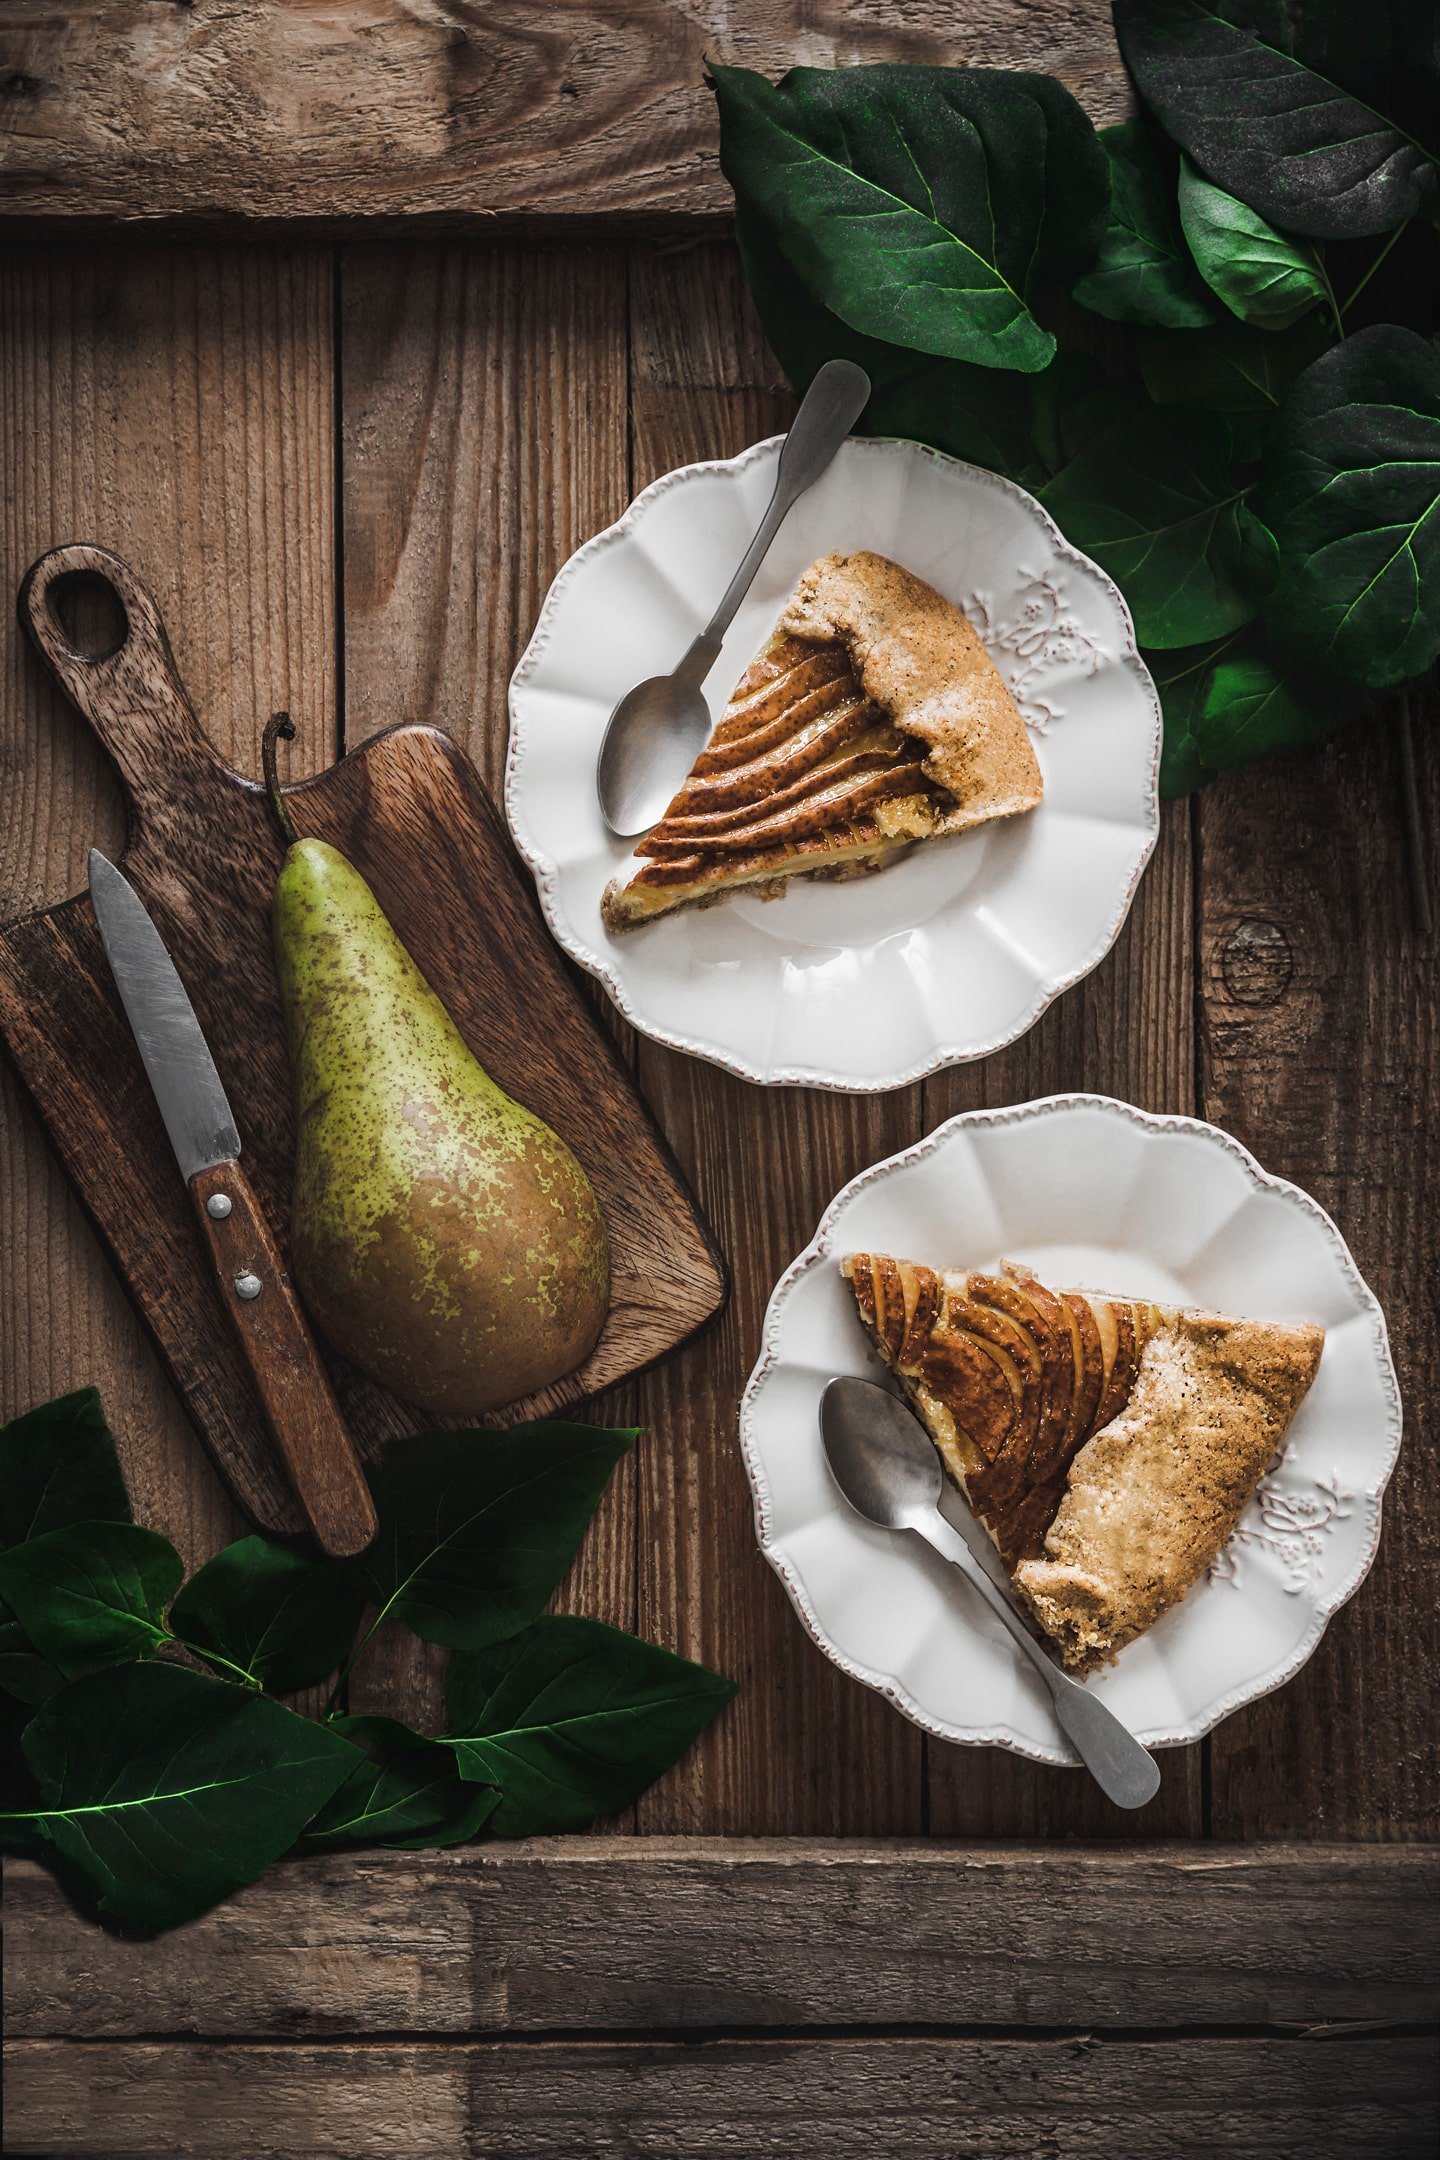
<point>279,724</point>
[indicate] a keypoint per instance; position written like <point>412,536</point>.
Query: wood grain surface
<point>928,2098</point>
<point>491,405</point>
<point>578,1934</point>
<point>203,855</point>
<point>249,113</point>
<point>178,402</point>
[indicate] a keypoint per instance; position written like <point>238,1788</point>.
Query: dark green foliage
<point>156,1790</point>
<point>405,1791</point>
<point>477,1528</point>
<point>163,1790</point>
<point>271,1615</point>
<point>1143,272</point>
<point>92,1594</point>
<point>1351,486</point>
<point>926,207</point>
<point>572,1719</point>
<point>1287,108</point>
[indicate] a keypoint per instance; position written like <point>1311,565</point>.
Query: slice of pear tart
<point>1108,1444</point>
<point>873,718</point>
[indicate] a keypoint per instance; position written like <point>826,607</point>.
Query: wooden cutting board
<point>412,814</point>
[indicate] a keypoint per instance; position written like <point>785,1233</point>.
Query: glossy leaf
<point>1153,503</point>
<point>163,1790</point>
<point>275,1616</point>
<point>477,1528</point>
<point>405,1792</point>
<point>1180,677</point>
<point>926,207</point>
<point>1143,272</point>
<point>1259,95</point>
<point>979,414</point>
<point>1250,708</point>
<point>57,1466</point>
<point>573,1719</point>
<point>93,1593</point>
<point>1351,487</point>
<point>1263,276</point>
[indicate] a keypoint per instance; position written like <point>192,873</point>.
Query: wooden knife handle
<point>299,1403</point>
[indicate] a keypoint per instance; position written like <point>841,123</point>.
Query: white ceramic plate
<point>1087,1191</point>
<point>951,952</point>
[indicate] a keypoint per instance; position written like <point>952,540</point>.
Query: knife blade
<point>172,1046</point>
<point>290,1379</point>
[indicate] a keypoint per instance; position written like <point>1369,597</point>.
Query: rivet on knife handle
<point>294,1389</point>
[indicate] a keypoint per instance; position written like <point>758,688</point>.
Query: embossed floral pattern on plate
<point>1089,1191</point>
<point>946,954</point>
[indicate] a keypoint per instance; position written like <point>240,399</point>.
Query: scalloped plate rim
<point>546,871</point>
<point>1262,1180</point>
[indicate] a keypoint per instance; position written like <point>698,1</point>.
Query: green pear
<point>445,1239</point>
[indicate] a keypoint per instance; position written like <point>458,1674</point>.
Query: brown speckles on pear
<point>446,1240</point>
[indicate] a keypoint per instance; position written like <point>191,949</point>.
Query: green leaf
<point>1181,676</point>
<point>282,1620</point>
<point>406,1791</point>
<point>1229,81</point>
<point>164,1790</point>
<point>979,414</point>
<point>1233,369</point>
<point>93,1593</point>
<point>24,1674</point>
<point>1351,487</point>
<point>1249,708</point>
<point>573,1719</point>
<point>1152,502</point>
<point>1261,275</point>
<point>1228,701</point>
<point>1143,273</point>
<point>19,1831</point>
<point>58,1465</point>
<point>477,1528</point>
<point>926,207</point>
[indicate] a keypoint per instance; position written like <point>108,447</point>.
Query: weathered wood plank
<point>1127,1030</point>
<point>175,405</point>
<point>604,1934</point>
<point>802,1749</point>
<point>483,419</point>
<point>380,114</point>
<point>1320,1049</point>
<point>1078,2098</point>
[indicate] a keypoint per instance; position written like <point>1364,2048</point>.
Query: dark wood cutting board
<point>412,814</point>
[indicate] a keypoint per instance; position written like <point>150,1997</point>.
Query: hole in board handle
<point>89,614</point>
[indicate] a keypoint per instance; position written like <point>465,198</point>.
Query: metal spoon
<point>885,1464</point>
<point>659,728</point>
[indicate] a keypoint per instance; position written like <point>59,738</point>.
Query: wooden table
<point>455,284</point>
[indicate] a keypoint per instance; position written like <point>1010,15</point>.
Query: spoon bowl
<point>879,1456</point>
<point>659,728</point>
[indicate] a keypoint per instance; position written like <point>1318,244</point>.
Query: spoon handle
<point>1126,1772</point>
<point>829,409</point>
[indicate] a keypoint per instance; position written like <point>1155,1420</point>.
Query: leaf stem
<point>214,1659</point>
<point>1355,294</point>
<point>1324,276</point>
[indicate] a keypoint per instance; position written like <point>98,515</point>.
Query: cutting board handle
<point>132,696</point>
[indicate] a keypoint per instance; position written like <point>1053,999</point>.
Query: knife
<point>294,1389</point>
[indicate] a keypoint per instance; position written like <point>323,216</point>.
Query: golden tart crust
<point>873,718</point>
<point>1107,1444</point>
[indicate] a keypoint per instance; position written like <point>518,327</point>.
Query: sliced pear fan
<point>1107,1444</point>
